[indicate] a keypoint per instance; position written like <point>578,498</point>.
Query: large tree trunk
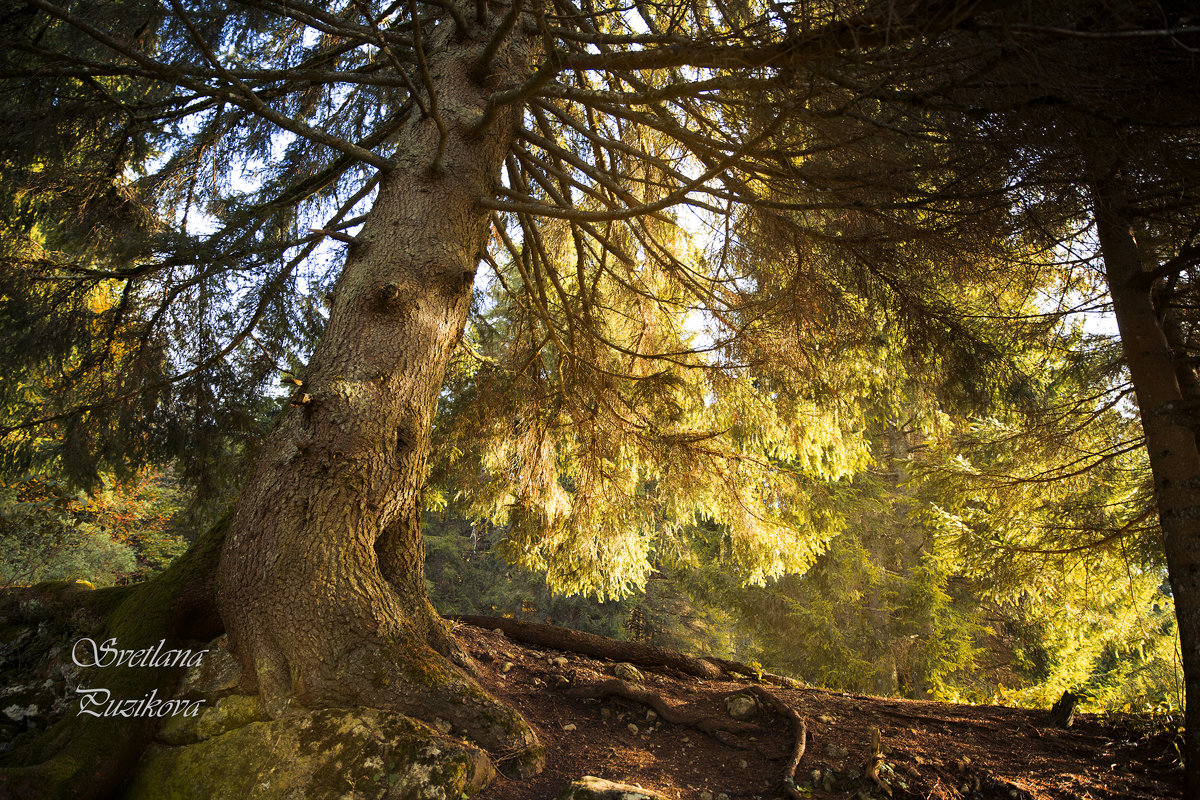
<point>321,582</point>
<point>1167,406</point>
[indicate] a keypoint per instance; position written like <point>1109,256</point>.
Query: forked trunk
<point>1167,406</point>
<point>321,580</point>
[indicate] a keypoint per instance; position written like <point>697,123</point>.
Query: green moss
<point>221,717</point>
<point>324,754</point>
<point>98,752</point>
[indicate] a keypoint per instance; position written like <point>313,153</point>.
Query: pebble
<point>628,672</point>
<point>741,706</point>
<point>570,726</point>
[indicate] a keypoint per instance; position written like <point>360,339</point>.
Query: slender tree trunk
<point>1166,407</point>
<point>321,581</point>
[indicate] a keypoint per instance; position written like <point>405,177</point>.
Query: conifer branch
<point>462,28</point>
<point>430,92</point>
<point>483,64</point>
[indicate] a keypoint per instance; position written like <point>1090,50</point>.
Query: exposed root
<point>394,670</point>
<point>588,644</point>
<point>876,761</point>
<point>745,670</point>
<point>800,733</point>
<point>716,727</point>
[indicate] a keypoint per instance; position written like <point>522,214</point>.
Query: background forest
<point>998,551</point>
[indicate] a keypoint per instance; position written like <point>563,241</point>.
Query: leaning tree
<point>195,188</point>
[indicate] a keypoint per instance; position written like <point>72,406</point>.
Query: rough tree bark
<point>321,582</point>
<point>1167,410</point>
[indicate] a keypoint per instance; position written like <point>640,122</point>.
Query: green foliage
<point>873,614</point>
<point>1002,559</point>
<point>1049,506</point>
<point>119,534</point>
<point>466,575</point>
<point>591,465</point>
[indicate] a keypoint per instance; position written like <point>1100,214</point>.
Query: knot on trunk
<point>455,280</point>
<point>301,398</point>
<point>407,437</point>
<point>392,297</point>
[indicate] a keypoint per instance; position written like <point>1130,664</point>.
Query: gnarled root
<point>371,649</point>
<point>716,727</point>
<point>800,737</point>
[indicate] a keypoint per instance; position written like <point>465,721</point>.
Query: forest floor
<point>925,749</point>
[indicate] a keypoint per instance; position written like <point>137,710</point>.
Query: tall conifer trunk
<point>321,583</point>
<point>1167,406</point>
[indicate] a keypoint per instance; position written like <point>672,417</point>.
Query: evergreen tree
<point>559,141</point>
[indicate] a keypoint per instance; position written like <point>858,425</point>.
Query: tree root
<point>800,732</point>
<point>588,644</point>
<point>876,760</point>
<point>719,728</point>
<point>715,727</point>
<point>738,668</point>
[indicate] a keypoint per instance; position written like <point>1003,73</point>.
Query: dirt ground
<point>926,749</point>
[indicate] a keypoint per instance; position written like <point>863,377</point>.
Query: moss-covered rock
<point>364,754</point>
<point>221,717</point>
<point>217,674</point>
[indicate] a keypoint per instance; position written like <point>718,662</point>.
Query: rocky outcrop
<point>361,753</point>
